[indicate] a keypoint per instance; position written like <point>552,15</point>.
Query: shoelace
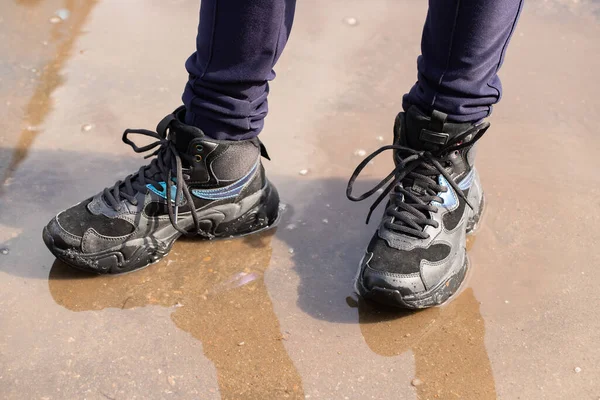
<point>409,207</point>
<point>167,160</point>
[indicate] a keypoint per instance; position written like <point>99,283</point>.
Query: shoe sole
<point>264,215</point>
<point>445,291</point>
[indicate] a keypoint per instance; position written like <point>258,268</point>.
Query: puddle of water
<point>447,343</point>
<point>218,295</point>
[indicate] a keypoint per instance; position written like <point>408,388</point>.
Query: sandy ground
<point>275,316</point>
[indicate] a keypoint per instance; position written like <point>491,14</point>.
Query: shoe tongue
<point>418,131</point>
<point>421,132</point>
<point>182,134</point>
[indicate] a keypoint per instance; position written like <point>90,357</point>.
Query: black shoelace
<point>167,161</point>
<point>414,182</point>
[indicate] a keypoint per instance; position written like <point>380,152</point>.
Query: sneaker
<point>195,186</point>
<point>417,258</point>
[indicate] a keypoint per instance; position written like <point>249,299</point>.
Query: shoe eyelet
<point>198,158</point>
<point>199,147</point>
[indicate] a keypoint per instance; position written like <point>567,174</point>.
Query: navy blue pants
<point>239,42</point>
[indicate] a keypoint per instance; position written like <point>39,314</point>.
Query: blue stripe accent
<point>229,191</point>
<point>467,180</point>
<point>450,197</point>
<point>226,192</point>
<point>163,192</point>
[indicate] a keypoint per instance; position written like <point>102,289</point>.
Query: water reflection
<point>219,296</point>
<point>447,343</point>
<point>63,37</point>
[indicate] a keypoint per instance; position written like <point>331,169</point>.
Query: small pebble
<point>325,221</point>
<point>178,305</point>
<point>4,251</point>
<point>577,370</point>
<point>506,301</point>
<point>171,380</point>
<point>86,127</point>
<point>351,21</point>
<point>416,382</point>
<point>291,251</point>
<point>303,172</point>
<point>55,20</point>
<point>290,227</point>
<point>241,343</point>
<point>380,138</point>
<point>360,153</point>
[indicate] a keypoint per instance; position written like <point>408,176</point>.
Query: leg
<point>238,44</point>
<point>463,46</point>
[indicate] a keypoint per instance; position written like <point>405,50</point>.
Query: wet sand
<point>274,316</point>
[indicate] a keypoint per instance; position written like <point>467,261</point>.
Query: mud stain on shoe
<point>447,342</point>
<point>218,295</point>
<point>48,78</point>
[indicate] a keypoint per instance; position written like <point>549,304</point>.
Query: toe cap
<point>405,284</point>
<point>60,237</point>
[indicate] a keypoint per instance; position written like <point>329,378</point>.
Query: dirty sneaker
<point>195,186</point>
<point>417,258</point>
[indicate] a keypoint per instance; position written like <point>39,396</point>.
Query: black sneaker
<point>417,258</point>
<point>195,186</point>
